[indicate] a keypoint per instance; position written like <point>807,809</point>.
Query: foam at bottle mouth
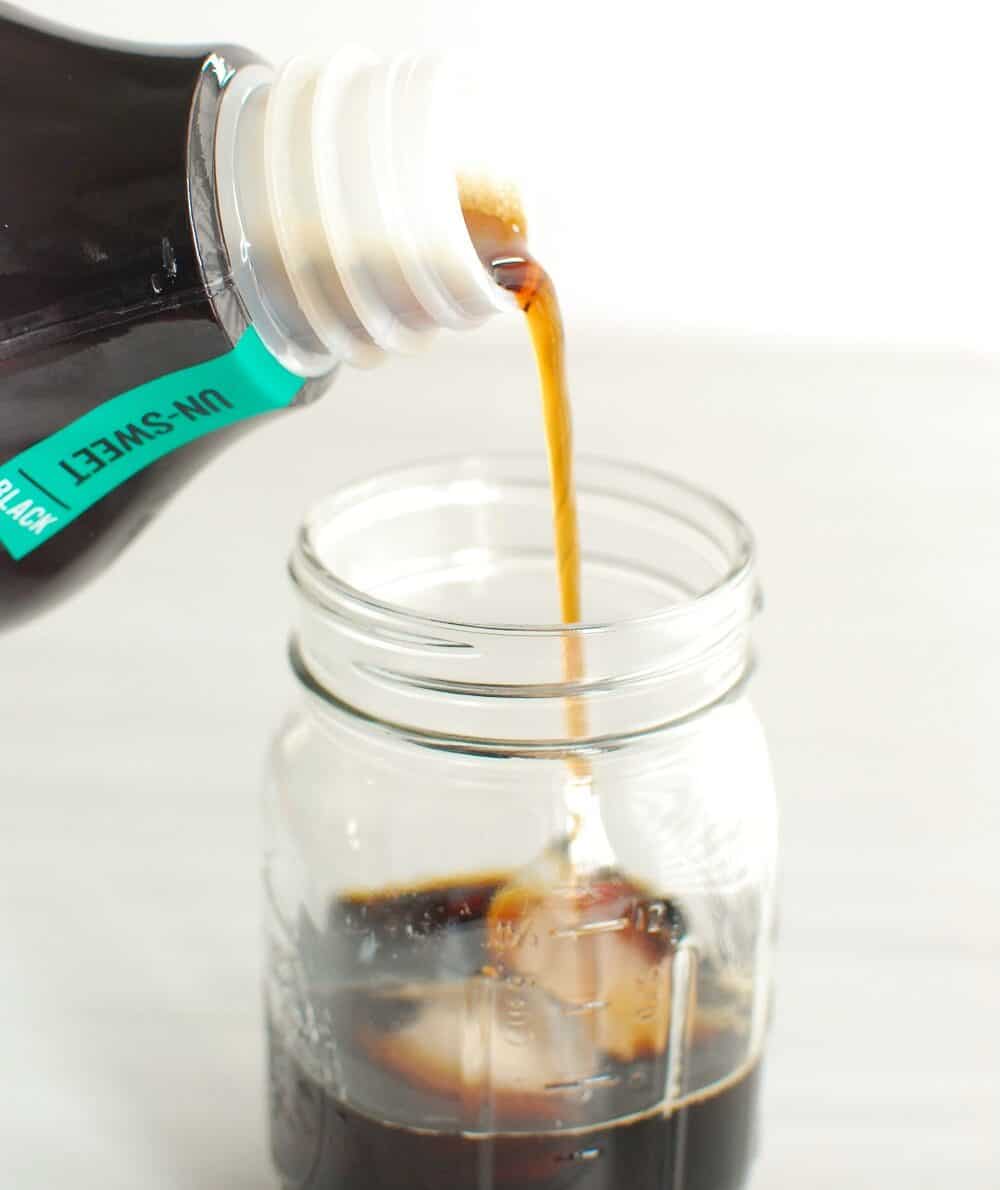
<point>493,199</point>
<point>494,218</point>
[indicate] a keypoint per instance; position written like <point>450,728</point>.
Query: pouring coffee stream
<point>573,892</point>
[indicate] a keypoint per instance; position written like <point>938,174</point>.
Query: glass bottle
<point>189,239</point>
<point>500,957</point>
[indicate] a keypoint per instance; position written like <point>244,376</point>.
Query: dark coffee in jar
<point>444,1077</point>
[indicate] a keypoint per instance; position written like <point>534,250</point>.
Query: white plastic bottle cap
<point>338,193</point>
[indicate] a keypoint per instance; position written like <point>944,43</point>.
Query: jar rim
<point>322,584</point>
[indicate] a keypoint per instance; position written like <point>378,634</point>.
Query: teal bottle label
<point>48,486</point>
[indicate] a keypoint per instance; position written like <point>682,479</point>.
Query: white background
<point>827,170</point>
<point>816,172</point>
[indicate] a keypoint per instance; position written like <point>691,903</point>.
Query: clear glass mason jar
<point>500,957</point>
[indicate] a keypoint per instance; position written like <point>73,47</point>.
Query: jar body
<point>457,997</point>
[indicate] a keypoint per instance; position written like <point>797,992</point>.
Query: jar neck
<point>339,203</point>
<point>502,687</point>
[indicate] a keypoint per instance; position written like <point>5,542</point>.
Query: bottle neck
<point>340,209</point>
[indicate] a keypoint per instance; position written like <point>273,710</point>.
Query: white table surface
<point>134,721</point>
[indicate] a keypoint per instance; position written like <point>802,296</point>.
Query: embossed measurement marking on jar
<point>613,926</point>
<point>586,1083</point>
<point>582,1155</point>
<point>587,1006</point>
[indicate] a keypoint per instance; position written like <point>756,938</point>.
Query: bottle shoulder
<point>93,193</point>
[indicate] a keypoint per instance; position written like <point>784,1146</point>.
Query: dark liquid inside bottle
<point>397,1027</point>
<point>101,285</point>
